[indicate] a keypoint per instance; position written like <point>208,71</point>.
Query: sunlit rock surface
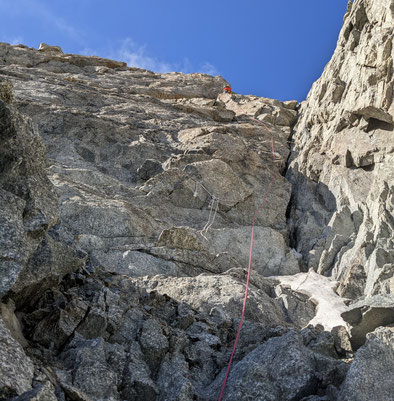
<point>127,199</point>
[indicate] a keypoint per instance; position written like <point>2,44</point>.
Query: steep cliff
<point>342,164</point>
<point>31,247</point>
<point>135,155</point>
<point>126,206</point>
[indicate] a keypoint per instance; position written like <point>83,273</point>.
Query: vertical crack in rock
<point>341,166</point>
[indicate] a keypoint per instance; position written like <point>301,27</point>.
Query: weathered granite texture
<point>342,164</point>
<point>122,276</point>
<point>139,158</point>
<point>136,159</point>
<point>371,375</point>
<point>114,337</point>
<point>366,315</point>
<point>31,247</point>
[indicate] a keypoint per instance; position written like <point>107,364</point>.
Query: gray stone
<point>153,343</point>
<point>25,195</point>
<point>220,293</point>
<point>291,104</point>
<point>49,49</point>
<point>42,392</point>
<point>95,148</point>
<point>324,344</point>
<point>149,168</point>
<point>299,308</point>
<point>353,283</point>
<point>341,340</point>
<point>12,323</point>
<point>16,369</point>
<point>6,91</point>
<point>366,315</point>
<point>272,256</point>
<point>137,383</point>
<point>55,249</point>
<point>259,375</point>
<point>370,376</point>
<point>29,251</point>
<point>91,374</point>
<point>343,142</point>
<point>174,380</point>
<point>73,393</point>
<point>219,179</point>
<point>135,263</point>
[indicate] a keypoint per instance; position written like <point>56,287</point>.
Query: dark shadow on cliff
<point>308,213</point>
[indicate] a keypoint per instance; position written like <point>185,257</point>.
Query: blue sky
<point>266,48</point>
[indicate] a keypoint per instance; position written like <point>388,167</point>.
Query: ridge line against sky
<point>136,55</point>
<point>264,48</point>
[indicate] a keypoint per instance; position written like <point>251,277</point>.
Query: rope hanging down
<point>249,268</point>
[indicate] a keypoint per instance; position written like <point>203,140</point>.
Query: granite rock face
<point>259,374</point>
<point>157,177</point>
<point>126,206</point>
<point>136,155</point>
<point>366,315</point>
<point>113,337</point>
<point>16,369</point>
<point>370,376</point>
<point>6,91</point>
<point>342,164</point>
<point>29,251</point>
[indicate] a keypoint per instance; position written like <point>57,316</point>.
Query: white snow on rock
<point>320,289</point>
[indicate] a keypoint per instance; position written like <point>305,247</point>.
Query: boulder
<point>370,376</point>
<point>259,375</point>
<point>50,49</point>
<point>366,315</point>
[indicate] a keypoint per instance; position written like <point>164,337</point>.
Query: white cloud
<point>208,68</point>
<point>87,51</point>
<point>12,40</point>
<point>136,55</point>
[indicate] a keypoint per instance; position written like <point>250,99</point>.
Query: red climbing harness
<point>249,269</point>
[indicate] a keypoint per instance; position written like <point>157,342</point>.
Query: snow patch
<point>320,289</point>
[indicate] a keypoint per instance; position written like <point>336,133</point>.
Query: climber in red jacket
<point>227,89</point>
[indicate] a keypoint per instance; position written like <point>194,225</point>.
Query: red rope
<point>249,269</point>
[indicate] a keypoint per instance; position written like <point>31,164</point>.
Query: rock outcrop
<point>370,376</point>
<point>140,160</point>
<point>31,250</point>
<point>157,177</point>
<point>127,199</point>
<point>365,315</point>
<point>258,375</point>
<point>342,164</point>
